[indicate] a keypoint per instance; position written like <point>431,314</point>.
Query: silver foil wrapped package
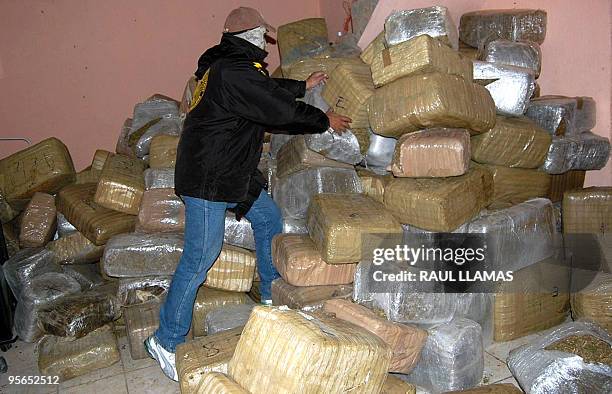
<point>293,192</point>
<point>227,317</point>
<point>168,124</point>
<point>64,227</point>
<point>138,290</point>
<point>478,27</point>
<point>511,87</point>
<point>585,151</point>
<point>294,226</point>
<point>343,148</point>
<point>434,21</point>
<point>40,291</point>
<point>152,109</point>
<point>134,255</point>
<point>452,358</point>
<point>380,151</point>
<point>540,367</point>
<point>563,115</point>
<point>511,53</point>
<point>159,178</point>
<point>238,233</point>
<point>27,264</point>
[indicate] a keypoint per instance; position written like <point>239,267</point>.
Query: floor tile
<point>112,384</point>
<point>128,363</point>
<point>494,370</point>
<point>94,376</point>
<point>502,349</point>
<point>21,360</point>
<point>150,380</point>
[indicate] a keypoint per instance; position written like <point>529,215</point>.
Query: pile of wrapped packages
<point>449,134</point>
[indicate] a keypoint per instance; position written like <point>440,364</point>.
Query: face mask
<point>255,36</point>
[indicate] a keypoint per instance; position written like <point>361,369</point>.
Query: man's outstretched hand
<point>338,123</point>
<point>315,78</point>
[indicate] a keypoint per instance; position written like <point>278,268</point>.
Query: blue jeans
<point>204,230</point>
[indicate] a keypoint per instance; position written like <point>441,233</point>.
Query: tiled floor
<point>144,376</point>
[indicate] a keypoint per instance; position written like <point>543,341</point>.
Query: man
<point>216,166</point>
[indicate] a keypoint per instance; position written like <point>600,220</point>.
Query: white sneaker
<point>266,302</point>
<point>165,359</point>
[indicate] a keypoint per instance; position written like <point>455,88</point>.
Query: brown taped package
<point>68,358</point>
<point>513,142</point>
<point>588,210</point>
<point>347,90</point>
<point>141,321</point>
<point>300,39</point>
<point>537,299</point>
<point>121,184</point>
<point>432,153</point>
<point>209,299</point>
<point>594,302</point>
<point>219,383</point>
<point>468,52</point>
<point>88,175</point>
<point>99,159</point>
<point>299,297</point>
<point>295,156</point>
<point>430,100</point>
<point>44,167</point>
<point>337,222</point>
<point>38,221</point>
<point>162,152</point>
<point>573,179</point>
<point>301,69</point>
<point>300,263</point>
<point>74,248</point>
<point>498,388</point>
<point>161,210</point>
<point>233,270</point>
<point>394,385</point>
<point>211,353</point>
<point>95,222</point>
<point>317,355</point>
<point>439,204</point>
<point>420,55</point>
<point>406,342</point>
<point>516,185</point>
<point>374,48</point>
<point>373,184</point>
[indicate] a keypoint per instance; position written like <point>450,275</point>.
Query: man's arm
<point>297,88</point>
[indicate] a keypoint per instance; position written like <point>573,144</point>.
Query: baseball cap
<point>245,18</point>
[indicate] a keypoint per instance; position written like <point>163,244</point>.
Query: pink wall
<point>75,68</point>
<point>576,53</point>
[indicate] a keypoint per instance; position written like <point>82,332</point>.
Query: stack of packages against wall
<point>121,184</point>
<point>162,152</point>
<point>211,353</point>
<point>308,297</point>
<point>320,354</point>
<point>38,221</point>
<point>161,210</point>
<point>301,39</point>
<point>209,299</point>
<point>476,28</point>
<point>573,357</point>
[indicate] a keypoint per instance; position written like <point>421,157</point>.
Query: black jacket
<point>222,137</point>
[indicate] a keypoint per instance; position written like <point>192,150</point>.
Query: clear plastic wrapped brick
<point>141,321</point>
<point>452,358</point>
<point>294,226</point>
<point>478,27</point>
<point>135,254</point>
<point>168,125</point>
<point>64,227</point>
<point>87,275</point>
<point>511,53</point>
<point>571,358</point>
<point>27,264</point>
<point>74,248</point>
<point>343,148</point>
<point>434,21</point>
<point>562,115</point>
<point>151,109</point>
<point>380,151</point>
<point>38,221</point>
<point>511,87</point>
<point>238,233</point>
<point>585,151</point>
<point>132,291</point>
<point>161,211</point>
<point>293,192</point>
<point>227,317</point>
<point>159,178</point>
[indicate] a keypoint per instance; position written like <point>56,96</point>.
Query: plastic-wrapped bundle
<point>380,151</point>
<point>516,185</point>
<point>543,367</point>
<point>300,263</point>
<point>227,318</point>
<point>238,233</point>
<point>338,222</point>
<point>430,100</point>
<point>374,47</point>
<point>75,249</point>
<point>418,55</point>
<point>277,141</point>
<point>294,192</point>
<point>519,54</point>
<point>587,211</point>
<point>7,213</point>
<point>343,148</point>
<point>132,291</point>
<point>39,292</point>
<point>151,109</point>
<point>594,302</point>
<point>477,27</point>
<point>161,210</point>
<point>299,297</point>
<point>64,227</point>
<point>11,238</point>
<point>233,270</point>
<point>123,146</point>
<point>513,142</point>
<point>211,353</point>
<point>208,300</point>
<point>434,21</point>
<point>511,87</point>
<point>453,357</point>
<point>374,184</point>
<point>300,39</point>
<point>99,158</point>
<point>585,151</point>
<point>169,125</point>
<point>38,221</point>
<point>295,155</point>
<point>134,254</point>
<point>563,115</point>
<point>87,275</point>
<point>141,321</point>
<point>301,69</point>
<point>432,153</point>
<point>294,226</point>
<point>219,383</point>
<point>121,184</point>
<point>320,354</point>
<point>27,264</point>
<point>159,178</point>
<point>162,152</point>
<point>77,315</point>
<point>68,358</point>
<point>88,175</point>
